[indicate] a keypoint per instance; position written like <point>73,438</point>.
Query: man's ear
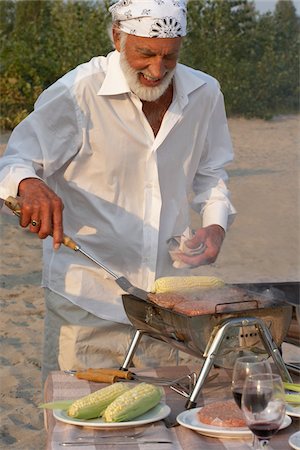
<point>116,38</point>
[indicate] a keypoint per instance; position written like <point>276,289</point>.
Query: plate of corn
<point>159,412</point>
<point>116,405</point>
<point>292,398</point>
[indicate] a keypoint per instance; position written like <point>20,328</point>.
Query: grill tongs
<point>12,203</point>
<point>183,385</point>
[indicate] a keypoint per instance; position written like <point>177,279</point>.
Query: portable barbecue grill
<point>219,337</point>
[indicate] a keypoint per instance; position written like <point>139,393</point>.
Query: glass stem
<point>263,444</point>
<point>260,444</point>
<point>255,443</point>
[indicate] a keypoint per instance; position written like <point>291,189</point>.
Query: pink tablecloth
<point>60,386</point>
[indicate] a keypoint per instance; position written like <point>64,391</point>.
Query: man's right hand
<point>41,209</point>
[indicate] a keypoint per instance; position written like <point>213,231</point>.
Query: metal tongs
<point>183,385</point>
<point>13,205</point>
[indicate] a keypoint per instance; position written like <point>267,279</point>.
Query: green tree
<point>254,56</point>
<point>43,39</point>
<point>286,46</point>
<point>219,43</point>
<point>276,63</point>
<point>19,81</point>
<point>7,15</point>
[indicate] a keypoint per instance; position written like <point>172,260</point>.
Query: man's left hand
<point>212,238</point>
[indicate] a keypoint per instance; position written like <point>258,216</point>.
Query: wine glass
<point>243,367</point>
<point>263,406</point>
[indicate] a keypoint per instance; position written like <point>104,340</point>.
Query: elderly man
<point>109,156</point>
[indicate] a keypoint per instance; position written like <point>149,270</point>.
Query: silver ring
<point>35,223</point>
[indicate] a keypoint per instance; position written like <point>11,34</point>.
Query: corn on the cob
<point>93,405</point>
<point>177,284</point>
<point>292,398</point>
<point>133,403</point>
<point>291,386</point>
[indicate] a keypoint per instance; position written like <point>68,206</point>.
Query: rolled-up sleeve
<point>43,142</point>
<point>212,198</point>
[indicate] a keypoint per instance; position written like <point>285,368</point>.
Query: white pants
<point>76,339</point>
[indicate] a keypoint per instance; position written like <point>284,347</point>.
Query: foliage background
<point>254,56</point>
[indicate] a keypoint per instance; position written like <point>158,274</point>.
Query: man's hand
<point>212,237</point>
<point>41,209</point>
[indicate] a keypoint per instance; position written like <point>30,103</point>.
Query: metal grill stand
<point>213,347</point>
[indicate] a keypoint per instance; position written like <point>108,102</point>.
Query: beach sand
<point>262,245</point>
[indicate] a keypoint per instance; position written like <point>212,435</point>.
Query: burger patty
<point>223,299</point>
<point>222,414</point>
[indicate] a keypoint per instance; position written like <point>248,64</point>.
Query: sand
<point>264,241</point>
<point>262,245</point>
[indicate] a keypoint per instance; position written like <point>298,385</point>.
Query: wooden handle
<point>97,377</point>
<point>68,242</point>
<point>125,374</point>
<point>104,375</point>
<point>13,204</point>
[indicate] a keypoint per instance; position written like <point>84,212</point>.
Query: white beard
<point>148,94</point>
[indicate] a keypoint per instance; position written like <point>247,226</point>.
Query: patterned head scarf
<point>151,18</point>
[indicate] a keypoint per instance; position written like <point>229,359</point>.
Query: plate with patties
<point>192,419</point>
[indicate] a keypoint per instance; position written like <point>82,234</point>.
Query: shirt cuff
<point>218,213</point>
<point>10,187</point>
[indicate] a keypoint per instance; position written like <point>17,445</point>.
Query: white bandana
<point>151,18</point>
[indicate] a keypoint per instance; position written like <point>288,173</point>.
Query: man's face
<point>148,63</point>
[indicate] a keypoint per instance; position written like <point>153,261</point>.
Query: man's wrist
<point>23,182</point>
<point>219,228</point>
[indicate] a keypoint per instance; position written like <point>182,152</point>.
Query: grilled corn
<point>177,284</point>
<point>133,403</point>
<point>93,405</point>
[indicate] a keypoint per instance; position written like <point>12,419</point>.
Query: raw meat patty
<point>222,414</point>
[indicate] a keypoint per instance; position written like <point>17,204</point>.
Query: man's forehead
<point>154,45</point>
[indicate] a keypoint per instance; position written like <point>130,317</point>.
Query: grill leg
<point>273,350</point>
<point>132,348</point>
<point>213,349</point>
<point>211,354</point>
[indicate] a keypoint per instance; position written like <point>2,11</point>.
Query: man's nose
<point>158,68</point>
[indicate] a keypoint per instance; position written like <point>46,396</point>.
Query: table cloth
<point>60,386</point>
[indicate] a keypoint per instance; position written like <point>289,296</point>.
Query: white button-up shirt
<point>125,191</point>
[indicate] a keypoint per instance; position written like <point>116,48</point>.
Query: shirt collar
<point>114,82</point>
<point>186,80</point>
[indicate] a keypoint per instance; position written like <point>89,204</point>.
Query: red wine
<point>237,395</point>
<point>264,430</point>
<point>256,401</point>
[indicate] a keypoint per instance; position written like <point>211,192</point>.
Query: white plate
<point>189,419</point>
<point>157,413</point>
<point>294,440</point>
<point>293,410</point>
